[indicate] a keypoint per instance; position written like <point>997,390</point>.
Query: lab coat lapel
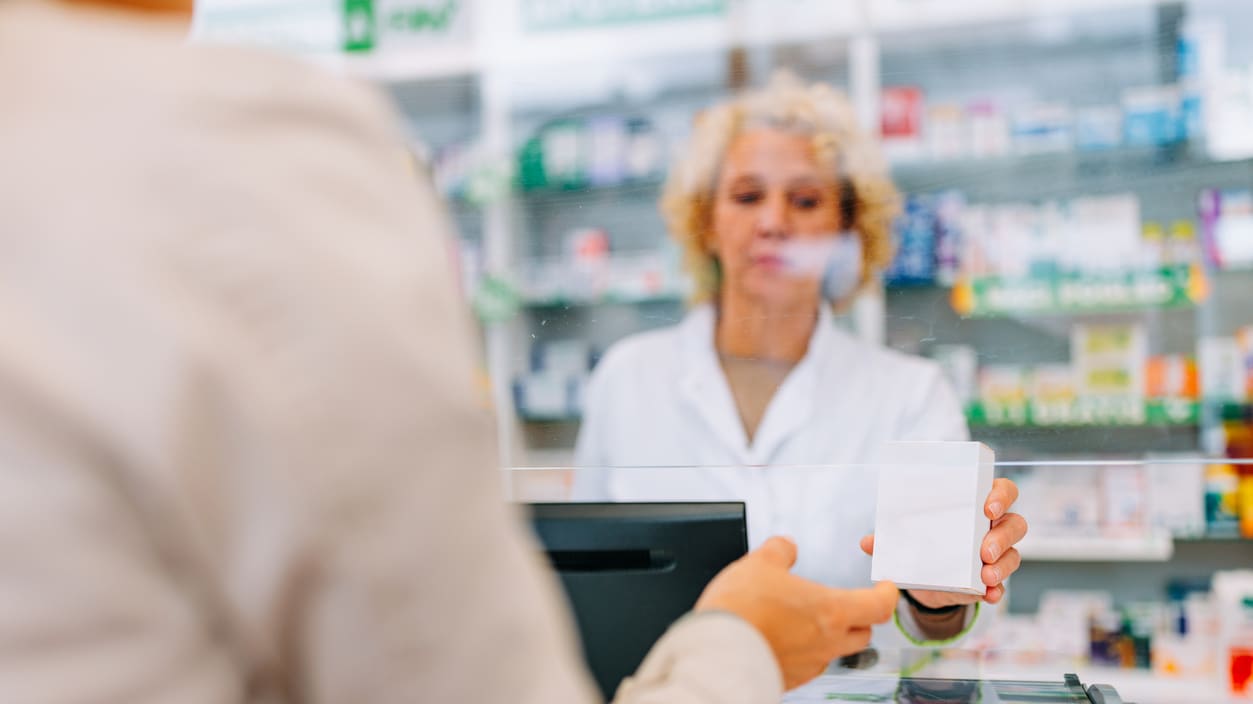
<point>704,387</point>
<point>793,404</point>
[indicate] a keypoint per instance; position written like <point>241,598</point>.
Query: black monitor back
<point>631,570</point>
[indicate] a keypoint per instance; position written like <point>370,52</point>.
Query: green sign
<point>359,29</point>
<point>1089,412</point>
<point>374,24</point>
<point>429,18</point>
<point>547,15</point>
<point>1164,288</point>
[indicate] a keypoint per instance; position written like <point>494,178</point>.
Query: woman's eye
<point>746,197</point>
<point>807,202</point>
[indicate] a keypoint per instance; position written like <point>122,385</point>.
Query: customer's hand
<point>1000,557</point>
<point>806,624</point>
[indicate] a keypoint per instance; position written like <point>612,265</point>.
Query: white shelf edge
<point>909,17</point>
<point>1154,548</point>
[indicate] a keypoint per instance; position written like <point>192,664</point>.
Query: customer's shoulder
<point>139,77</point>
<point>265,83</point>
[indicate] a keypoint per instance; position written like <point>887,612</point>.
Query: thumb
<point>867,544</point>
<point>866,607</point>
<point>777,551</point>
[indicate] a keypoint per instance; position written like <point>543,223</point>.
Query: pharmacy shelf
<point>1154,413</point>
<point>1213,538</point>
<point>546,195</point>
<point>1152,548</point>
<point>922,15</point>
<point>1075,294</point>
<point>607,299</point>
<point>1232,410</point>
<point>1124,162</point>
<point>707,27</point>
<point>1071,295</point>
<point>543,419</point>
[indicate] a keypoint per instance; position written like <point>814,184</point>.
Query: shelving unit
<point>1155,412</point>
<point>1027,320</point>
<point>1168,287</point>
<point>609,298</point>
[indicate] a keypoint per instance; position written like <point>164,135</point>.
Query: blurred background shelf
<point>1169,412</point>
<point>607,299</point>
<point>1043,129</point>
<point>1079,294</point>
<point>550,196</point>
<point>1155,548</point>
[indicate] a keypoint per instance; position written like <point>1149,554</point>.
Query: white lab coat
<point>660,424</point>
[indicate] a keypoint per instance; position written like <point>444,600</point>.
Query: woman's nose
<point>772,218</point>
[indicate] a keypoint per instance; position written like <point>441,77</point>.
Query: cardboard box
<point>929,520</point>
<point>1222,369</point>
<point>1177,497</point>
<point>1061,501</point>
<point>1110,360</point>
<point>1124,497</point>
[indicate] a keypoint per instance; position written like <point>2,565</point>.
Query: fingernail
<point>994,551</point>
<point>995,509</point>
<point>996,577</point>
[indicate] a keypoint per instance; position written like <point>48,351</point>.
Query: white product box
<point>543,395</point>
<point>1109,360</point>
<point>1052,392</point>
<point>929,520</point>
<point>1062,501</point>
<point>1222,369</point>
<point>1177,498</point>
<point>1065,616</point>
<point>565,358</point>
<point>1124,496</point>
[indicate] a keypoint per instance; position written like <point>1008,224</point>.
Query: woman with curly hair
<point>783,207</point>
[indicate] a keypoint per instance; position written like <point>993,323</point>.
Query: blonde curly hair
<point>869,202</point>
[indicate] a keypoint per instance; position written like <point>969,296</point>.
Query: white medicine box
<point>929,519</point>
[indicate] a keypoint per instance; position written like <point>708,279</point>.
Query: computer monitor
<point>631,570</point>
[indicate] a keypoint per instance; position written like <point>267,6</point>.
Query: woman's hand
<point>1000,557</point>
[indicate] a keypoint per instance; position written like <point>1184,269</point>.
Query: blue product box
<point>1098,128</point>
<point>1151,116</point>
<point>915,246</point>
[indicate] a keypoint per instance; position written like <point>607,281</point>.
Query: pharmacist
<point>783,207</point>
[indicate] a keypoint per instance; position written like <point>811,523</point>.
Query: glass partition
<point>723,253</point>
<point>1127,575</point>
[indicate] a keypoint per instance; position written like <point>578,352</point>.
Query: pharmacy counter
<point>965,677</point>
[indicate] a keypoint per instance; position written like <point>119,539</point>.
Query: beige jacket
<point>241,455</point>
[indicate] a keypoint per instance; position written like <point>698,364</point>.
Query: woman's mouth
<point>771,262</point>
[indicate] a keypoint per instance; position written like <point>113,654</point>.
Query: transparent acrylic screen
<point>1029,229</point>
<point>1067,200</point>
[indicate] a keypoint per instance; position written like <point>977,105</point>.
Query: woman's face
<point>772,193</point>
